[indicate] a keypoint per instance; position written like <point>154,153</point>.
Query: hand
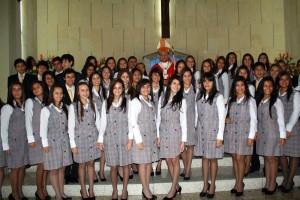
<point>219,143</point>
<point>140,146</point>
<point>288,134</point>
<point>7,152</point>
<point>100,146</point>
<point>250,142</point>
<point>158,142</point>
<point>182,147</point>
<point>227,120</point>
<point>74,150</point>
<point>129,145</point>
<point>281,141</point>
<point>256,137</point>
<point>47,149</point>
<point>32,144</point>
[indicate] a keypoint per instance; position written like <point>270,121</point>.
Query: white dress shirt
<point>133,117</point>
<point>251,90</point>
<point>104,120</point>
<point>28,118</point>
<point>221,113</point>
<point>45,114</point>
<point>6,112</point>
<point>72,122</point>
<point>183,119</point>
<point>295,114</point>
<point>280,114</point>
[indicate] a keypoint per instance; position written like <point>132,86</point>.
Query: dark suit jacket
<point>259,91</point>
<point>66,99</point>
<point>27,82</point>
<point>60,79</point>
<point>295,81</point>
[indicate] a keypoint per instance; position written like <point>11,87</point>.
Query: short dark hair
<point>131,57</point>
<point>69,71</point>
<point>42,63</point>
<point>57,58</point>
<point>68,57</point>
<point>257,64</point>
<point>19,60</point>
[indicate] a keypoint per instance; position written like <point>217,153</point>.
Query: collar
<point>119,102</point>
<point>15,105</point>
<point>73,87</point>
<point>187,91</point>
<point>241,99</point>
<point>19,75</point>
<point>56,108</point>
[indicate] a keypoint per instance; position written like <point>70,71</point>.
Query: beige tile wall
<point>203,28</point>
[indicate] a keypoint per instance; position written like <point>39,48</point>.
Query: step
<point>159,184</point>
<point>196,163</point>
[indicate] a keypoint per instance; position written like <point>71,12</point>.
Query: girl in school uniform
<point>207,65</point>
<point>33,107</point>
<point>172,129</point>
<point>291,104</point>
<point>241,126</point>
<point>180,65</point>
<point>142,122</point>
<point>191,63</point>
<point>189,93</point>
<point>14,139</point>
<point>210,119</point>
<point>248,61</point>
<point>121,64</point>
<point>115,137</point>
<point>136,76</point>
<point>231,66</point>
<point>222,78</point>
<point>97,95</point>
<point>106,79</point>
<point>126,77</point>
<point>271,132</point>
<point>244,72</point>
<point>83,128</point>
<point>157,90</point>
<point>55,140</point>
<point>2,157</point>
<point>263,57</point>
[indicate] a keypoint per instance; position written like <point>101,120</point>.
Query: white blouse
<point>28,118</point>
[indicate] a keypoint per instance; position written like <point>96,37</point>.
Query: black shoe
<point>121,178</point>
<point>178,191</point>
<point>144,197</point>
<point>11,197</point>
<point>288,188</point>
<point>131,176</point>
<point>24,198</point>
<point>37,196</point>
<point>96,180</point>
<point>135,172</point>
<point>233,191</point>
<point>268,192</point>
<point>66,198</point>
<point>154,196</point>
<point>210,196</point>
<point>48,197</point>
<point>157,172</point>
<point>203,194</point>
<point>263,190</point>
<point>187,178</point>
<point>126,197</point>
<point>238,194</point>
<point>101,179</point>
<point>280,187</point>
<point>83,197</point>
<point>182,174</point>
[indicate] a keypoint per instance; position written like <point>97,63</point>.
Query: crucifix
<point>165,19</point>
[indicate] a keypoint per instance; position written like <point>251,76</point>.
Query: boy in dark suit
<point>57,65</point>
<point>67,62</point>
<point>22,77</point>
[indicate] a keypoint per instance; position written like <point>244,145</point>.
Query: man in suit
<point>58,69</point>
<point>259,71</point>
<point>41,67</point>
<point>296,79</point>
<point>22,77</point>
<point>67,62</point>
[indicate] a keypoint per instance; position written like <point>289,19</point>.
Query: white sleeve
<point>6,112</point>
<point>197,77</point>
<point>253,118</point>
<point>28,120</point>
<point>158,121</point>
<point>196,114</point>
<point>103,123</point>
<point>280,113</point>
<point>251,90</point>
<point>130,131</point>
<point>222,115</point>
<point>226,86</point>
<point>97,122</point>
<point>133,120</point>
<point>71,125</point>
<point>45,114</point>
<point>183,122</point>
<point>295,114</point>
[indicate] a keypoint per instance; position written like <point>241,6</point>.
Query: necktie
<point>21,78</point>
<point>256,84</point>
<point>70,91</point>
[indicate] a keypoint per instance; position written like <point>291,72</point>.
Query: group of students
<point>128,118</point>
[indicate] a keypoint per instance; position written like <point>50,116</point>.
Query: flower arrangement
<point>48,60</point>
<point>101,62</point>
<point>292,68</point>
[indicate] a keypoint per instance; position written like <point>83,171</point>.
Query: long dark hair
<point>118,63</point>
<point>177,99</point>
<point>267,65</point>
<point>225,69</point>
<point>208,76</point>
<point>227,64</point>
<point>177,64</point>
<point>85,68</point>
<point>101,92</point>
<point>290,87</point>
<point>78,100</point>
<point>161,81</point>
<point>45,93</point>
<point>187,69</point>
<point>274,94</point>
<point>194,67</point>
<point>141,83</point>
<point>10,97</point>
<point>251,57</point>
<point>247,70</point>
<point>233,96</point>
<point>106,64</point>
<point>111,96</point>
<point>212,65</point>
<point>51,99</point>
<point>131,90</point>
